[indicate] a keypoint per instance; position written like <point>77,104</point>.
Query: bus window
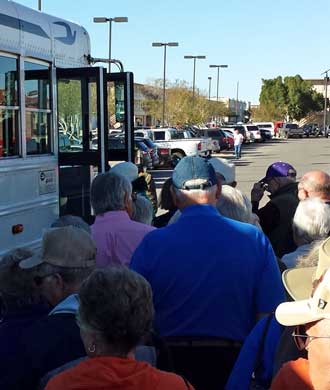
<point>9,108</point>
<point>70,115</point>
<point>38,108</point>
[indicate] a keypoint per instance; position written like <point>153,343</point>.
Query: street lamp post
<point>210,79</point>
<point>164,44</point>
<point>39,5</point>
<point>325,116</point>
<point>194,73</point>
<point>117,19</point>
<point>218,67</point>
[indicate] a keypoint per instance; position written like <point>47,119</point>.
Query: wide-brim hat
<point>307,310</point>
<point>298,281</point>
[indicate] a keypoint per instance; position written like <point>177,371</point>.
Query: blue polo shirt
<point>210,275</point>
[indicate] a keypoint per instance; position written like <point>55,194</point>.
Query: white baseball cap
<point>308,310</point>
<point>224,168</point>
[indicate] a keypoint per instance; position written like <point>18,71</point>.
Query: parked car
<point>289,130</point>
<point>266,134</point>
<point>254,130</point>
<point>247,136</point>
<point>217,135</point>
<point>311,129</point>
<point>266,125</point>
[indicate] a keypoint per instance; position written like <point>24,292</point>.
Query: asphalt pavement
<point>304,154</point>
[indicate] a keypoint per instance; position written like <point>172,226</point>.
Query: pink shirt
<point>117,237</point>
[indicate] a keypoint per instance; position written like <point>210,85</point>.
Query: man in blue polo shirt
<point>210,276</point>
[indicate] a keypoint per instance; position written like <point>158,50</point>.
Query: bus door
<point>82,140</point>
<point>119,112</point>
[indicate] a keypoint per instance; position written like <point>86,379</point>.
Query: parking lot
<point>304,154</point>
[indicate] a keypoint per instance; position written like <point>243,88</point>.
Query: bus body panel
<point>29,199</point>
<point>31,33</point>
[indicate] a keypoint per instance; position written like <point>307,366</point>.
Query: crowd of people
<point>215,292</point>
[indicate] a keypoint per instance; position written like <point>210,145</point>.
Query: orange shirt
<point>293,375</point>
<point>106,372</point>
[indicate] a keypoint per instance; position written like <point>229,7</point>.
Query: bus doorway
<point>95,129</point>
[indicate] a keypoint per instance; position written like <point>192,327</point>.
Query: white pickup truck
<point>180,145</point>
<point>177,142</point>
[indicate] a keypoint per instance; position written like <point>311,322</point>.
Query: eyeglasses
<point>302,340</point>
<point>38,280</point>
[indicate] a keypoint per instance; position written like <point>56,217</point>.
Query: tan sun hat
<point>307,310</point>
<point>298,281</point>
<point>68,247</point>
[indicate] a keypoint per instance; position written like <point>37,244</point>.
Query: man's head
<point>278,175</point>
<point>312,320</point>
<point>314,184</point>
<point>111,192</point>
<point>311,221</point>
<point>65,260</point>
<point>17,288</point>
<point>224,170</point>
<point>127,169</point>
<point>194,181</point>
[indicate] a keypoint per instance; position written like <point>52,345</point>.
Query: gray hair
<point>117,303</point>
<point>143,210</point>
<point>194,194</point>
<point>108,192</point>
<point>310,259</point>
<point>16,284</point>
<point>70,275</point>
<point>72,220</point>
<point>311,221</point>
<point>235,205</point>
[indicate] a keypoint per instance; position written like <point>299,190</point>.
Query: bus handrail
<point>93,60</point>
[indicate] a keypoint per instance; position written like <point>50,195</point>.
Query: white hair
<point>195,194</point>
<point>311,221</point>
<point>235,205</point>
<point>142,210</point>
<point>109,191</point>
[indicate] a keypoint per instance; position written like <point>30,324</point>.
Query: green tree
<point>291,98</point>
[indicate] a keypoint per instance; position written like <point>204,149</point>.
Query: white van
<point>266,125</point>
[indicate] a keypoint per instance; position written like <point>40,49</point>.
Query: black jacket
<point>45,345</point>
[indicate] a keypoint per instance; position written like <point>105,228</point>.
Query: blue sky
<point>257,39</point>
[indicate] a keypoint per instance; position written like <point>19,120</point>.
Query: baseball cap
<point>280,169</point>
<point>194,173</point>
<point>127,169</point>
<point>224,168</point>
<point>67,246</point>
<point>298,281</point>
<point>307,310</point>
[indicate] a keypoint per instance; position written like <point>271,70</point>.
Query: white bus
<point>55,114</point>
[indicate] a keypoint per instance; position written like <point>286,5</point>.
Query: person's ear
<point>128,204</point>
<point>174,197</point>
<point>219,188</point>
<point>302,194</point>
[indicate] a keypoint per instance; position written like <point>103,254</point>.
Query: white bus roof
<point>35,34</point>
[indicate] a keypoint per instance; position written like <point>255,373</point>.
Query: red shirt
<point>106,372</point>
<point>293,375</point>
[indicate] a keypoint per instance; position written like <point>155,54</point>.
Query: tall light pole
<point>39,5</point>
<point>218,67</point>
<point>194,73</point>
<point>164,44</point>
<point>117,19</point>
<point>325,116</point>
<point>210,79</point>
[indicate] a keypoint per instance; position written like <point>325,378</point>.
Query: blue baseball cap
<point>194,173</point>
<point>280,169</point>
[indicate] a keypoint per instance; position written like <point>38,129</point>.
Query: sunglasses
<point>302,340</point>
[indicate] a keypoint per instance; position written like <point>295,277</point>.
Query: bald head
<point>314,184</point>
